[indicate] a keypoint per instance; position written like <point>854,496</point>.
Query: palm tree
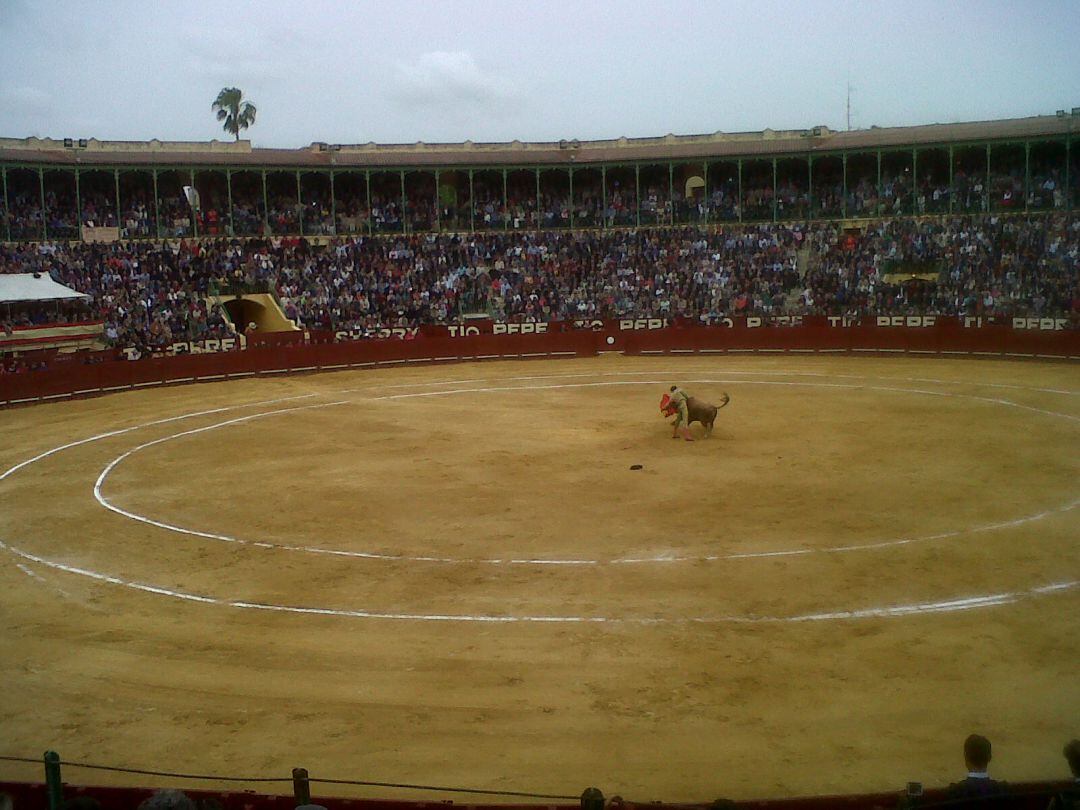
<point>233,110</point>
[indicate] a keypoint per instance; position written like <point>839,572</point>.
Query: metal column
<point>300,204</point>
<point>228,188</point>
<point>266,205</point>
<point>1068,177</point>
<point>78,205</point>
<point>741,204</point>
<point>44,213</point>
<point>603,195</point>
<point>367,187</point>
<point>333,205</point>
<point>119,211</point>
<point>952,188</point>
<point>438,204</point>
<point>671,192</point>
<point>843,201</point>
<point>637,193</point>
<point>7,205</point>
<point>194,212</point>
<point>571,198</point>
<point>877,211</point>
<point>157,207</point>
<point>705,192</point>
<point>1027,173</point>
<point>774,213</point>
<point>914,182</point>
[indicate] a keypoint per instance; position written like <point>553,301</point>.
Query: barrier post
<point>301,786</point>
<point>54,788</point>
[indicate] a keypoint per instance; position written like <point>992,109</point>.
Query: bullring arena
<point>450,574</point>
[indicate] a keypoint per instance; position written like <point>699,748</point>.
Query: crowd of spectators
<point>25,217</point>
<point>145,295</point>
<point>61,216</point>
<point>137,217</point>
<point>987,266</point>
<point>993,265</point>
<point>98,211</point>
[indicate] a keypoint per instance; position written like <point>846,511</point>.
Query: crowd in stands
<point>146,296</point>
<point>997,265</point>
<point>137,217</point>
<point>25,217</point>
<point>992,265</point>
<point>98,211</point>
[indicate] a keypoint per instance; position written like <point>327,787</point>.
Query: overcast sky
<point>407,71</point>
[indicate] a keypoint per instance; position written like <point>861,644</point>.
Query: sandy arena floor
<point>450,575</point>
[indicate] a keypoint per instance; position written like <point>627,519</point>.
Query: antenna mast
<point>849,106</point>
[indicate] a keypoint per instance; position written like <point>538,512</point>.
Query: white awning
<point>17,287</point>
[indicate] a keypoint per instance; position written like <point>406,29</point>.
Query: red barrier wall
<point>943,337</point>
<point>946,338</point>
<point>69,379</point>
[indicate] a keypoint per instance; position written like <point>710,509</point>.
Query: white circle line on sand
<point>667,558</point>
<point>890,611</point>
<point>714,370</point>
<point>122,431</point>
<point>771,372</point>
<point>901,610</point>
<point>993,400</point>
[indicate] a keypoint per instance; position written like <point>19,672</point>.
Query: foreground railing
<point>51,793</point>
<point>54,792</point>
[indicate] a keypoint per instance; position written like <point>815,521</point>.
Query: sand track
<point>451,575</point>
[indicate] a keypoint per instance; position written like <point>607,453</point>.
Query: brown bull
<point>697,410</point>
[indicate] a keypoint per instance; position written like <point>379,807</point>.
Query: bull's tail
<point>726,399</point>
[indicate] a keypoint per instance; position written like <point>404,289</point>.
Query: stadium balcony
<point>38,315</point>
<point>68,190</point>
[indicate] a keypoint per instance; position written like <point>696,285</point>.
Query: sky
<point>402,71</point>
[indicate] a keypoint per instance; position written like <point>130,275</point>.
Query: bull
<point>697,410</point>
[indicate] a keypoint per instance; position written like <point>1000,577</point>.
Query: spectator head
<point>592,799</point>
<point>1072,756</point>
<point>168,800</point>
<point>976,752</point>
<point>616,803</point>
